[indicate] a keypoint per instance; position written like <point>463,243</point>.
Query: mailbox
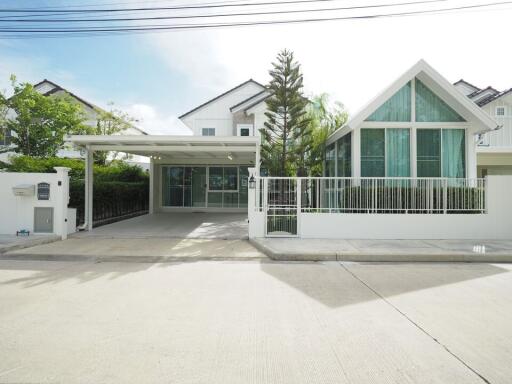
<point>24,190</point>
<point>43,191</point>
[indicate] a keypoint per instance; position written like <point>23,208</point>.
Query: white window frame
<point>239,128</point>
<point>500,107</point>
<point>209,130</point>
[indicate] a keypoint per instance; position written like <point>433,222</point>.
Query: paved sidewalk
<point>386,250</point>
<point>13,242</point>
<point>150,250</point>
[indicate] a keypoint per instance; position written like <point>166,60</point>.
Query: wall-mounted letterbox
<point>23,190</point>
<point>43,191</point>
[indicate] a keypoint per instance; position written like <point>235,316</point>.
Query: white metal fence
<point>283,199</point>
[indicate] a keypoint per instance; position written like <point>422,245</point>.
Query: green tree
<point>39,122</point>
<point>324,119</point>
<point>3,120</point>
<point>110,122</point>
<point>285,137</point>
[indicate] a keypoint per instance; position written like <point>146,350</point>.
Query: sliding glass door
<point>385,152</point>
<point>441,153</point>
<point>201,187</point>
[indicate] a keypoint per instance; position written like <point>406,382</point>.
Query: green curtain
<point>428,152</point>
<point>398,152</point>
<point>344,157</point>
<point>372,152</point>
<point>454,153</point>
<point>396,108</point>
<point>431,108</point>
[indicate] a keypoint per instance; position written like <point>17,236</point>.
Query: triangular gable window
<point>431,108</point>
<point>396,108</point>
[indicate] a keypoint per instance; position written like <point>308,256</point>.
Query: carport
<point>175,225</point>
<point>220,164</point>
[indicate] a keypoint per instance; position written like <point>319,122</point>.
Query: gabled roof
<point>462,81</point>
<point>251,101</point>
<point>480,91</point>
<point>57,88</point>
<point>493,97</point>
<point>220,96</point>
<point>424,72</point>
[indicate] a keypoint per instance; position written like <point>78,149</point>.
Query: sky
<point>157,77</point>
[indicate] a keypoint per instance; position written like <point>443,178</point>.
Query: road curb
<point>450,257</point>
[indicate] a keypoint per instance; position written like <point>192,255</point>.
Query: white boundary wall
<point>17,212</point>
<point>495,224</point>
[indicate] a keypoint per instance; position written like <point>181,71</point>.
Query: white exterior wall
<point>18,211</point>
<point>503,136</point>
<point>495,224</point>
<point>259,117</point>
<point>217,114</point>
<point>465,89</point>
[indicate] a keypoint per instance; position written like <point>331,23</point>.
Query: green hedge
<point>116,171</point>
<point>392,199</point>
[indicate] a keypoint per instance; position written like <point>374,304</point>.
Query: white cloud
<point>351,60</point>
<point>152,122</point>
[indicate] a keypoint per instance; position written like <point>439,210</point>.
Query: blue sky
<point>156,77</point>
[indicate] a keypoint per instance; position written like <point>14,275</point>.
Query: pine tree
<point>286,137</point>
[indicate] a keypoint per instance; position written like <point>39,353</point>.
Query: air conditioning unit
<point>24,190</point>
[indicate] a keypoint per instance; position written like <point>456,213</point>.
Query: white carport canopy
<point>193,148</point>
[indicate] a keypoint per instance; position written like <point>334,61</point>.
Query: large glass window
<point>441,153</point>
<point>396,108</point>
<point>431,108</point>
<point>372,152</point>
<point>344,156</point>
<point>330,158</point>
<point>385,152</point>
<point>428,152</point>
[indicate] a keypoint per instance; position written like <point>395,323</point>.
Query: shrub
<point>116,171</point>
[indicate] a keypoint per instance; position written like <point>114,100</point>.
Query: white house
<point>419,126</point>
<point>91,111</point>
<point>404,167</point>
<point>207,171</point>
<point>494,151</point>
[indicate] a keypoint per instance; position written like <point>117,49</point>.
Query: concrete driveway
<point>176,225</point>
<point>255,322</point>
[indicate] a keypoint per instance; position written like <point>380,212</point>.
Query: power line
<point>81,12</point>
<point>205,6</point>
<point>230,14</point>
<point>177,27</point>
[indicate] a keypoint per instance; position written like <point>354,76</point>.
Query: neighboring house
<point>237,112</point>
<point>495,148</point>
<point>420,126</point>
<point>91,111</point>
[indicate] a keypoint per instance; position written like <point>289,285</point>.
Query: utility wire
<point>93,10</point>
<point>176,27</point>
<point>229,14</point>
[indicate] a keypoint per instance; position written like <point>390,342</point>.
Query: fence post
<point>299,203</point>
<point>445,195</point>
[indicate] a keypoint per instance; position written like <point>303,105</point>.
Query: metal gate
<point>281,204</point>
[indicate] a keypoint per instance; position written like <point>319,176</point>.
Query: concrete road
<point>255,322</point>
